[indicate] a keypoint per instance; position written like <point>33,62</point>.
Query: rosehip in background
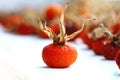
<point>12,21</point>
<point>97,46</point>
<point>53,11</point>
<point>98,38</point>
<point>112,47</point>
<point>25,29</point>
<point>110,50</point>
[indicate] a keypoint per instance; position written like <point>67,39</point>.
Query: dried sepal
<point>106,31</point>
<point>62,27</point>
<point>97,33</point>
<point>43,28</point>
<point>48,31</point>
<point>62,37</point>
<point>117,38</point>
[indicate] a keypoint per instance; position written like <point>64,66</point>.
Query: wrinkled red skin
<point>117,60</point>
<point>110,50</point>
<point>56,56</point>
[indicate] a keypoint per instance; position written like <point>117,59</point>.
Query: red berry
<point>11,22</point>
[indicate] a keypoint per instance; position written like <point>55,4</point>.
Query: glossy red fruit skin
<point>25,29</point>
<point>55,29</point>
<point>110,50</point>
<point>117,59</point>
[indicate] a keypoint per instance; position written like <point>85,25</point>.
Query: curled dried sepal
<point>62,27</point>
<point>117,38</point>
<point>96,34</point>
<point>106,31</point>
<point>47,30</point>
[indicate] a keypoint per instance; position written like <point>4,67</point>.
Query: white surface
<point>20,59</point>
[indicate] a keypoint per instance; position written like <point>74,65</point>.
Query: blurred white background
<point>16,4</point>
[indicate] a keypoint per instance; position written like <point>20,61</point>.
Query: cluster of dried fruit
<point>67,24</point>
<point>103,40</point>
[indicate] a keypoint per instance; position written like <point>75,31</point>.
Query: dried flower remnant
<point>59,54</point>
